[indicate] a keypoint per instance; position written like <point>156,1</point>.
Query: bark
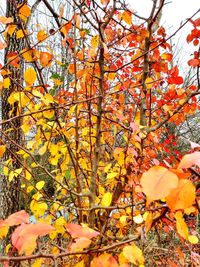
<point>10,192</point>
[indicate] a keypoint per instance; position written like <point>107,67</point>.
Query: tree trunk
<point>10,191</point>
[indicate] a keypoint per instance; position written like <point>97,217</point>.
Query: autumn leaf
<point>17,218</point>
<point>181,197</point>
<point>30,76</point>
<point>194,62</point>
<point>106,200</point>
<point>25,236</point>
<point>104,260</point>
<point>4,227</point>
<point>5,20</point>
<point>2,45</point>
<point>133,254</point>
<point>77,231</point>
<point>127,17</point>
<point>158,182</point>
<point>41,35</point>
<point>45,59</point>
<point>189,160</point>
<point>181,225</point>
<point>79,244</point>
<point>2,150</point>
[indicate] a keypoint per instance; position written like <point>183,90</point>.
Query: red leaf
<point>175,80</point>
<point>194,62</point>
<point>77,231</point>
<point>196,22</point>
<point>17,218</point>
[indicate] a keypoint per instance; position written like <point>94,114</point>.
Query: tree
<point>12,74</point>
<point>102,135</point>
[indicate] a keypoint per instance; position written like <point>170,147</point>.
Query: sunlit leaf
<point>158,182</point>
<point>133,254</point>
<point>181,197</point>
<point>30,76</point>
<point>106,199</point>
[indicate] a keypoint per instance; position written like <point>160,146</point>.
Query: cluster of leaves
<point>101,131</point>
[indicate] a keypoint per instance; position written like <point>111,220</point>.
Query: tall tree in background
<point>13,73</point>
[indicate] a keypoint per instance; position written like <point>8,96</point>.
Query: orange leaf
<point>194,62</point>
<point>25,236</point>
<point>2,150</point>
<point>41,36</point>
<point>189,160</point>
<point>2,45</point>
<point>24,12</point>
<point>104,260</point>
<point>127,17</point>
<point>158,182</point>
<point>6,20</point>
<point>17,218</point>
<point>45,59</point>
<point>181,197</point>
<point>76,230</point>
<point>80,244</point>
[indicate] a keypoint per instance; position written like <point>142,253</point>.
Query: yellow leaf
<point>30,76</point>
<point>6,83</point>
<point>20,34</point>
<point>2,150</point>
<point>95,41</point>
<point>37,263</point>
<point>3,229</point>
<point>133,254</point>
<point>40,185</point>
<point>149,83</point>
<point>80,264</point>
<point>48,99</point>
<point>193,239</point>
<point>42,150</point>
<point>111,175</point>
<point>106,200</point>
<point>181,226</point>
<point>122,219</point>
<point>127,17</point>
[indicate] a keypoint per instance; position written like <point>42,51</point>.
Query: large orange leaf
<point>189,160</point>
<point>104,260</point>
<point>158,182</point>
<point>17,218</point>
<point>25,236</point>
<point>77,231</point>
<point>181,197</point>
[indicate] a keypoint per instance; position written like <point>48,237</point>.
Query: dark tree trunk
<point>10,191</point>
